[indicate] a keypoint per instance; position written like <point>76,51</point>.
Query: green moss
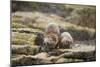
<point>18,25</point>
<point>22,39</point>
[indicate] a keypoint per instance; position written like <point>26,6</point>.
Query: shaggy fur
<point>51,36</point>
<point>52,28</point>
<point>66,40</point>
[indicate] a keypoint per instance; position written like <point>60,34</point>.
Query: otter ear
<point>62,29</point>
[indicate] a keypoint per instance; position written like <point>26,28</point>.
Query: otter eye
<point>47,43</point>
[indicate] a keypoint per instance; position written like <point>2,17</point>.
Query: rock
<point>18,49</point>
<point>61,60</point>
<point>86,55</point>
<point>26,30</point>
<point>42,55</point>
<point>25,49</point>
<point>82,51</point>
<point>40,58</point>
<point>76,54</point>
<point>67,60</point>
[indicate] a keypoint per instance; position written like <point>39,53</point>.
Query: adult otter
<point>51,36</point>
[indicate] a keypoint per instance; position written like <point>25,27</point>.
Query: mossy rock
<point>25,49</point>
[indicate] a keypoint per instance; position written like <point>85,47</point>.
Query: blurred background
<point>30,18</point>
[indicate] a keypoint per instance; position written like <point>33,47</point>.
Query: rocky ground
<point>26,25</point>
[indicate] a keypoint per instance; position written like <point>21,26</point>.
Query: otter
<point>51,36</point>
<point>50,41</point>
<point>65,40</point>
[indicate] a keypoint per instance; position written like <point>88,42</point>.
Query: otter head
<point>50,40</point>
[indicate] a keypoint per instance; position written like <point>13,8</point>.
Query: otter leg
<point>57,46</point>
